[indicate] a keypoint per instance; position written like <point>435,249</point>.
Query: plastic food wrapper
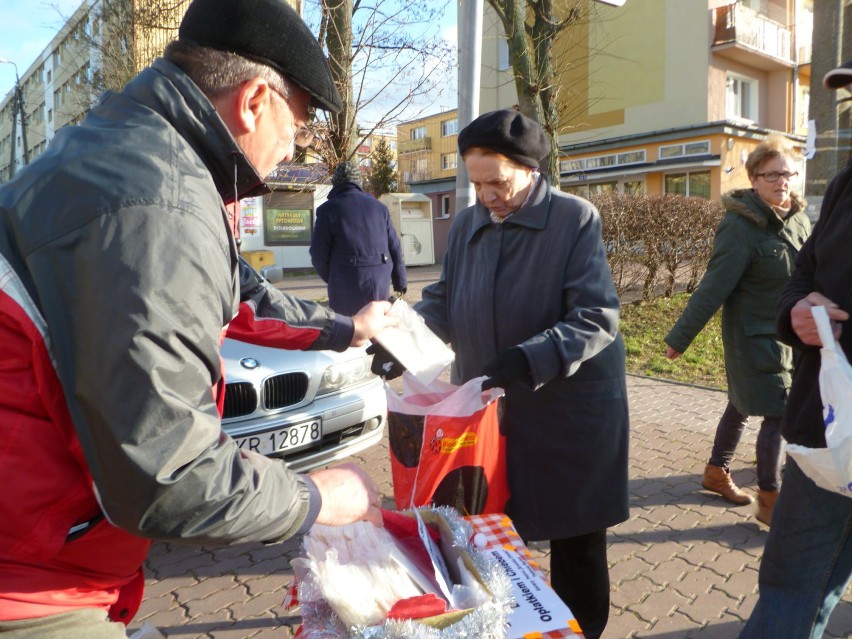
<point>363,582</point>
<point>414,345</point>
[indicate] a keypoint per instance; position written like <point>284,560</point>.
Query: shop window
<point>694,184</point>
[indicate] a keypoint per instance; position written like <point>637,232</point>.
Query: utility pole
<point>470,56</point>
<point>829,111</point>
<point>17,108</point>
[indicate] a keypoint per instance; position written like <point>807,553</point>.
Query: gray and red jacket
<point>118,278</point>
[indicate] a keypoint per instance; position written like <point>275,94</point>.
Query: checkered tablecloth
<point>499,532</point>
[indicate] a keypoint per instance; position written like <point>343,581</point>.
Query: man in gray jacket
<point>119,277</point>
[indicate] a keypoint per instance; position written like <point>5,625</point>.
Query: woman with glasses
<point>754,253</point>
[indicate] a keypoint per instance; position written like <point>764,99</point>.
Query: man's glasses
<point>304,135</point>
<point>774,176</point>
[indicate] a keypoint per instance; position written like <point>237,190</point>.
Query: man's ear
<point>241,108</point>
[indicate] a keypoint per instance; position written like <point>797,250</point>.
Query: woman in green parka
<point>754,253</point>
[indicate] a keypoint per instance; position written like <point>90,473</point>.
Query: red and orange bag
<point>446,447</point>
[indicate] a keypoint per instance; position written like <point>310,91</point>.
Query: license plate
<point>283,439</point>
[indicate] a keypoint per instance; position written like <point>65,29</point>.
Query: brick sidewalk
<point>684,565</point>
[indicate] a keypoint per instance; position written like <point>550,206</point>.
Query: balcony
<point>410,146</point>
<point>751,37</point>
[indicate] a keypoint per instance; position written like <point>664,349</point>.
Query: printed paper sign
<point>538,608</point>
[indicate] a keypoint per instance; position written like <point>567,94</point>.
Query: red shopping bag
<point>446,447</point>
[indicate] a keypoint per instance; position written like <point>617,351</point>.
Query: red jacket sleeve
<point>269,317</point>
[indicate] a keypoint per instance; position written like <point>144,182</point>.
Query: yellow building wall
<point>439,145</point>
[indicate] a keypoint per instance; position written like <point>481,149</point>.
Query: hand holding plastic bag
<point>831,467</point>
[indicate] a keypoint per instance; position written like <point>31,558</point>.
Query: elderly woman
<point>754,253</point>
<point>526,297</point>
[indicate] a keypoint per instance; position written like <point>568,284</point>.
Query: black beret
<point>266,31</point>
<point>839,77</point>
<point>509,132</point>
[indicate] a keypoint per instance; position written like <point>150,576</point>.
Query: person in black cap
<point>807,561</point>
<point>120,276</point>
<point>355,247</point>
<point>526,297</point>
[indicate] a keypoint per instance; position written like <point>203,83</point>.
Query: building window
<point>602,161</point>
<point>449,161</point>
<point>504,56</point>
<point>445,206</point>
<point>684,150</point>
<point>418,133</point>
<point>741,97</point>
<point>634,187</point>
<point>693,184</point>
<point>450,127</point>
<point>585,190</point>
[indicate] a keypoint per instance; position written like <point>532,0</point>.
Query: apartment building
<point>668,96</point>
<point>427,150</point>
<point>101,43</point>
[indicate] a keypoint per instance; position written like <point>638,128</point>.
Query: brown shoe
<point>765,504</point>
<point>718,480</point>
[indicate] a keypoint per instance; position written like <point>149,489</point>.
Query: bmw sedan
<point>309,407</point>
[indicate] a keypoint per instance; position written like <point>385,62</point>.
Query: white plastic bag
<point>414,345</point>
<point>831,467</point>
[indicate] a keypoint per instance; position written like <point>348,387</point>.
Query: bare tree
<point>532,28</point>
<point>387,58</point>
<point>115,40</point>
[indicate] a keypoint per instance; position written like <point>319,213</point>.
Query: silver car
<point>310,407</point>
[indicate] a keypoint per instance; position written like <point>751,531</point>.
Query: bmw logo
<point>249,362</point>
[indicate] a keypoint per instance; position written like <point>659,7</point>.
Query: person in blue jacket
<point>355,248</point>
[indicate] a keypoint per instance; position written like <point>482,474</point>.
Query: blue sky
<point>27,27</point>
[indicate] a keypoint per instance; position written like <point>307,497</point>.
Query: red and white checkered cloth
<point>499,533</point>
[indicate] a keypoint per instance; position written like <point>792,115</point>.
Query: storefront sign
<point>287,226</point>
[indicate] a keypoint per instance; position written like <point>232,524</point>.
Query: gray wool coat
<point>540,280</point>
<point>754,253</point>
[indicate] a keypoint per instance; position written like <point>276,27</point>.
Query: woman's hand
<point>671,353</point>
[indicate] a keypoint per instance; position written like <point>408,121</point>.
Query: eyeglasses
<point>304,135</point>
<point>773,176</point>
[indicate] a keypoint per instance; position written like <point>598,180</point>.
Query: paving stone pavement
<point>683,566</point>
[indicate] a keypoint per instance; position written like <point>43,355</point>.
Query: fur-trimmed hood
<point>747,203</point>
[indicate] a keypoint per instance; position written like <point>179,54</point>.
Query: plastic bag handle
<point>823,324</point>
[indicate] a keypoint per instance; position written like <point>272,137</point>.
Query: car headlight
<point>344,374</point>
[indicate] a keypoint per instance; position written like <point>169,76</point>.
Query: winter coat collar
<point>166,89</point>
<point>747,203</point>
<point>346,187</point>
<point>533,215</point>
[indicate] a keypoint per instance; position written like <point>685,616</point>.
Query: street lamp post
<point>17,107</point>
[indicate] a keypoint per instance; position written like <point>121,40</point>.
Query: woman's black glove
<point>384,364</point>
<point>510,366</point>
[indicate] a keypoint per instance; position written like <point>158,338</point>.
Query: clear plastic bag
<point>414,345</point>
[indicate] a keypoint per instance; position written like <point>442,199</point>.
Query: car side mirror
<point>272,274</point>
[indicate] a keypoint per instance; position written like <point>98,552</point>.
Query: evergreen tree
<point>382,177</point>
